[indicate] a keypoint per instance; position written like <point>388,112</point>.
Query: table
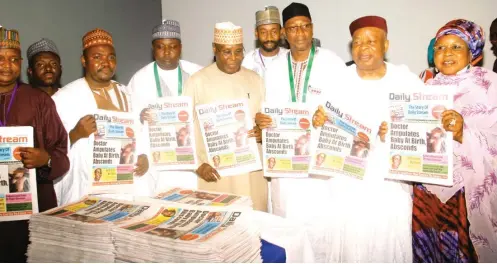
<point>282,236</point>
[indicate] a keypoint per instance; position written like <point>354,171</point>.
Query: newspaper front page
<point>224,128</point>
<point>286,144</point>
<point>420,148</point>
<point>194,225</point>
<point>172,142</point>
<point>97,210</point>
<point>18,193</point>
<point>343,146</point>
<point>198,197</point>
<point>114,153</point>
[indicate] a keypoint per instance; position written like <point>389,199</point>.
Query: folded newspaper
<point>202,198</point>
<point>182,233</point>
<point>97,229</point>
<point>80,232</point>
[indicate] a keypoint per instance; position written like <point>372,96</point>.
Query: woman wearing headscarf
<point>459,223</point>
<point>431,71</point>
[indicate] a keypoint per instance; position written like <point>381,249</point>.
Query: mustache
<point>275,46</point>
<point>56,76</point>
<point>270,41</point>
<point>103,68</point>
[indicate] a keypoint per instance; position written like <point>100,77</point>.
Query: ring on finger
<point>452,122</point>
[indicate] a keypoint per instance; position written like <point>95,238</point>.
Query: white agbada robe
<point>142,88</point>
<point>303,199</point>
<point>254,60</point>
<point>326,69</point>
<point>74,101</point>
<point>372,217</point>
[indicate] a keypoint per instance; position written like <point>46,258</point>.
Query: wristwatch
<point>49,163</point>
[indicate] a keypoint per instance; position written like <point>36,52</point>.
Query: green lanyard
<point>157,81</point>
<point>307,75</point>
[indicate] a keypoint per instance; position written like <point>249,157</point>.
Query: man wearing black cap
<point>380,222</point>
<point>302,76</point>
<point>312,68</point>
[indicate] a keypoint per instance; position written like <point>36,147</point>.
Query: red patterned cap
<point>97,37</point>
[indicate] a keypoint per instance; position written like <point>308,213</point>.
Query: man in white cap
<point>44,68</point>
<point>221,81</point>
<point>268,35</point>
<point>165,76</point>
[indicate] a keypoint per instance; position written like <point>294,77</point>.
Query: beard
<point>266,49</point>
<point>36,82</point>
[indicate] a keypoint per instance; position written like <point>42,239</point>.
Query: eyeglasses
<point>294,29</point>
<point>453,47</point>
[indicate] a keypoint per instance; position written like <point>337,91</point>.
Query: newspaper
<point>82,231</point>
<point>180,233</point>
<point>343,146</point>
<point>420,148</point>
<point>185,224</point>
<point>204,198</point>
<point>18,196</point>
<point>286,144</point>
<point>172,146</point>
<point>105,230</point>
<point>224,128</point>
<point>114,153</point>
<point>96,210</point>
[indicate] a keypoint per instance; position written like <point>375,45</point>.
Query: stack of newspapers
<point>201,198</point>
<point>98,229</point>
<point>182,233</point>
<point>80,232</point>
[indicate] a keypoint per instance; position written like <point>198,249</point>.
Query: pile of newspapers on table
<point>197,197</point>
<point>98,229</point>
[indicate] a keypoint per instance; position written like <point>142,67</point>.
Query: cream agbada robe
<point>211,85</point>
<point>74,101</point>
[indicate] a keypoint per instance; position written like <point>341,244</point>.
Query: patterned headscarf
<point>431,52</point>
<point>468,31</point>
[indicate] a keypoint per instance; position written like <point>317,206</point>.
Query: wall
<point>66,21</point>
<point>411,23</point>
